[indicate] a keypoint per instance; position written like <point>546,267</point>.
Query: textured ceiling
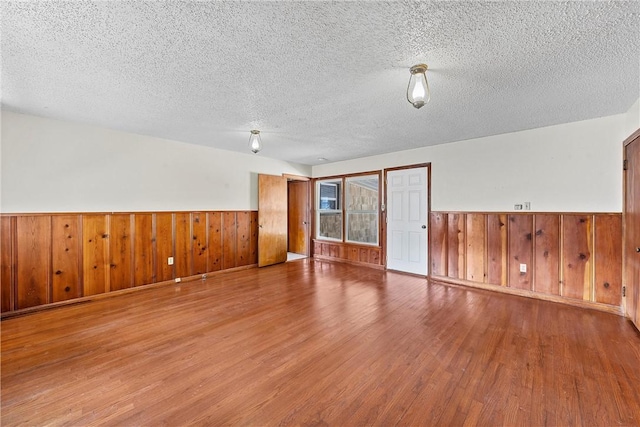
<point>319,79</point>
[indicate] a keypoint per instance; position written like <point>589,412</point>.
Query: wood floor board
<point>319,343</point>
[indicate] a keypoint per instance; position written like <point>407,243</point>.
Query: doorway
<point>283,218</point>
<point>407,200</point>
<point>298,218</point>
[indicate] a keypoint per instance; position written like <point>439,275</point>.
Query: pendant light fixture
<point>255,143</point>
<point>418,92</point>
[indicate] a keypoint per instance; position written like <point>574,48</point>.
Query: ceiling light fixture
<point>255,143</point>
<point>418,92</point>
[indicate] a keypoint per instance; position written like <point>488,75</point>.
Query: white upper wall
<point>56,166</point>
<point>573,167</point>
<point>632,122</point>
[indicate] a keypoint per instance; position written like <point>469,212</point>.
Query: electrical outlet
<point>170,260</point>
<point>523,268</point>
<point>517,207</point>
<point>527,206</point>
<point>178,280</point>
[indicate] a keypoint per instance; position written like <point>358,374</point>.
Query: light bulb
<point>255,143</point>
<point>418,92</point>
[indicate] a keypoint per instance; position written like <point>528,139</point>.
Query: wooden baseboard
<point>529,294</point>
<point>347,261</point>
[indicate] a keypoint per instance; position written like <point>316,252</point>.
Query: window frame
<point>348,212</point>
<point>319,211</point>
<point>342,179</point>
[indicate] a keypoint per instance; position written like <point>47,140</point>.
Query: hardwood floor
<point>316,343</point>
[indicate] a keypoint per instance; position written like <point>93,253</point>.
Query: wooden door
<point>272,220</point>
<point>298,215</point>
<point>407,220</point>
<point>632,227</point>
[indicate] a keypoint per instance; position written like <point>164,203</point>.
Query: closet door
<point>272,219</point>
<point>632,227</point>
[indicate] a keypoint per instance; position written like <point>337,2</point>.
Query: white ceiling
<point>320,79</point>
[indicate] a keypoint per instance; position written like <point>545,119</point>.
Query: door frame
<point>307,208</point>
<point>383,237</point>
<point>635,136</point>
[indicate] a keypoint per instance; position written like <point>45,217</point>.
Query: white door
<point>407,220</point>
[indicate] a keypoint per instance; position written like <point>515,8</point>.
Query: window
<point>362,209</point>
<point>329,211</point>
<point>360,212</point>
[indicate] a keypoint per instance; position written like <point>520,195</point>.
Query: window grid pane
<point>329,209</point>
<point>362,227</point>
<point>361,201</point>
<point>330,225</point>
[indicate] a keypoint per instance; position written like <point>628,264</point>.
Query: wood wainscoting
<point>574,258</point>
<point>49,258</point>
<point>368,255</point>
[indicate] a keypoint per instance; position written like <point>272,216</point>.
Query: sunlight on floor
<point>292,256</point>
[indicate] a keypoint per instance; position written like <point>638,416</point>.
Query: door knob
<point>424,226</point>
<point>637,249</point>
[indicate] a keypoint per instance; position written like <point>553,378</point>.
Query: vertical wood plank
<point>520,236</point>
<point>143,242</point>
<point>7,290</point>
<point>374,256</point>
<point>215,241</point>
<point>33,254</point>
<point>164,246</point>
<point>455,245</point>
<point>332,251</point>
<point>342,252</point>
<point>120,252</point>
<point>324,249</point>
<point>576,255</point>
<point>364,255</point>
<point>607,251</point>
<point>95,254</point>
<point>65,257</point>
<point>200,253</point>
<point>254,237</point>
<point>438,252</point>
<point>243,238</point>
<point>497,249</point>
<point>183,241</point>
<point>353,254</point>
<point>476,248</point>
<point>228,240</point>
<point>547,254</point>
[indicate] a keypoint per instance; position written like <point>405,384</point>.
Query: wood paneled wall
<point>47,258</point>
<point>347,252</point>
<point>573,256</point>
